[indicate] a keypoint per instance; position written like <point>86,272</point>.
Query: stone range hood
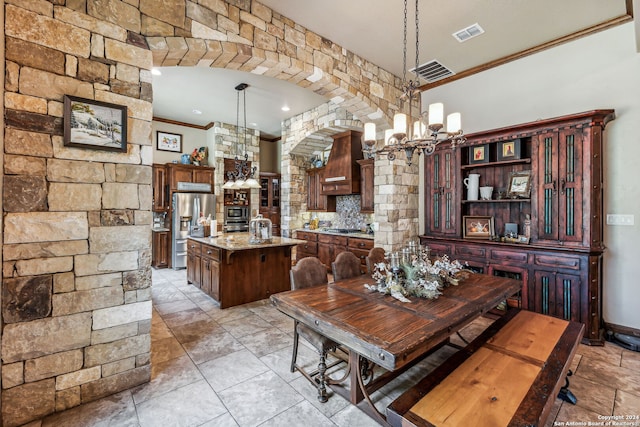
<point>341,175</point>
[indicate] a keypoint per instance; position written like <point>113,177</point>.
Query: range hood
<point>341,175</point>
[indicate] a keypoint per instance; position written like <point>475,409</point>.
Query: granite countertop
<point>159,229</point>
<point>359,235</point>
<point>240,241</point>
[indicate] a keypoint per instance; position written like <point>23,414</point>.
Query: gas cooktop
<point>342,230</point>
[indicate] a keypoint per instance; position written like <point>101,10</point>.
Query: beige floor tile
<point>576,415</point>
<point>593,396</point>
<point>165,349</point>
<point>601,372</point>
<point>184,317</point>
<point>627,404</point>
<point>609,353</point>
<point>167,376</point>
<point>631,359</point>
<point>195,331</point>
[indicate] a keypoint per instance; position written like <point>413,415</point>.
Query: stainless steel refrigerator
<point>187,208</point>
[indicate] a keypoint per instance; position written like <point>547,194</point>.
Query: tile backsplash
<point>347,214</point>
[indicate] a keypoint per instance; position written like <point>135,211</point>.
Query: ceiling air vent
<point>468,33</point>
<point>432,71</point>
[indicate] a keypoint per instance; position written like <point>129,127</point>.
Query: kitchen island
<point>235,272</point>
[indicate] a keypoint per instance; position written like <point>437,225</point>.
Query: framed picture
<point>479,154</point>
<point>169,141</point>
<point>477,227</point>
<point>94,124</point>
<point>519,184</point>
<point>509,150</point>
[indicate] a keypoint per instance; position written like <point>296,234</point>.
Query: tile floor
<point>213,367</point>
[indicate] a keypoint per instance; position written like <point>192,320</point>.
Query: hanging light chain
<point>404,47</point>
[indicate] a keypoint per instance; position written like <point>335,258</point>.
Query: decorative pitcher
<point>472,182</point>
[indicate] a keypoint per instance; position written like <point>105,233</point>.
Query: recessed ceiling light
<point>286,108</point>
<point>195,111</point>
<point>156,72</point>
<point>254,124</point>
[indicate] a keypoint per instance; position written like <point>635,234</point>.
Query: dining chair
<point>375,256</point>
<point>345,266</point>
<point>309,272</point>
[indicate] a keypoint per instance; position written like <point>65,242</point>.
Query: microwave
<point>236,213</point>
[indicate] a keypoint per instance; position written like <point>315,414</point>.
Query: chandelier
<point>428,129</point>
<point>243,175</point>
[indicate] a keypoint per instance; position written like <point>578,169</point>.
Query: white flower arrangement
<point>417,276</point>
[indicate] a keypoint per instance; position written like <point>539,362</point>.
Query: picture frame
<point>95,125</point>
<point>479,154</point>
<point>509,150</point>
<point>478,227</point>
<point>519,185</point>
<point>167,141</point>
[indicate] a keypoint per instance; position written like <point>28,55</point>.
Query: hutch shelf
<point>561,265</point>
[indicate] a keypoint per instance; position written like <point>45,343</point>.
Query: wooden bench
<point>508,376</point>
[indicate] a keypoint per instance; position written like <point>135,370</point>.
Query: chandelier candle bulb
<point>400,124</point>
<point>369,131</point>
<point>387,136</point>
<point>436,113</point>
<point>419,129</point>
<point>454,123</point>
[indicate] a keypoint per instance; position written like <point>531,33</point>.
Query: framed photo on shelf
<point>477,227</point>
<point>519,185</point>
<point>94,124</point>
<point>169,141</point>
<point>479,154</point>
<point>509,150</point>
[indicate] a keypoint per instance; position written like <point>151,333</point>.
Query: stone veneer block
<point>33,267</point>
<point>63,282</point>
<point>98,281</point>
<point>128,54</point>
<point>77,378</point>
<point>32,227</point>
<point>28,340</point>
<point>139,132</point>
<point>120,196</point>
<point>91,264</point>
<point>116,217</point>
<point>120,315</point>
<point>18,141</point>
<point>115,333</point>
<point>24,165</point>
<point>80,301</point>
<point>26,298</point>
<point>16,101</point>
<point>118,366</point>
<point>45,31</point>
<point>45,249</point>
<point>74,171</point>
<point>74,197</point>
<point>117,12</point>
<point>60,151</point>
<point>115,383</point>
<point>68,398</point>
<point>12,375</point>
<point>53,365</point>
<point>169,11</point>
<point>127,238</point>
<point>90,23</point>
<point>28,402</point>
<point>24,193</point>
<point>52,86</point>
<point>110,352</point>
<point>133,174</point>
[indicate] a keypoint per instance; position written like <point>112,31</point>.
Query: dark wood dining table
<point>378,328</point>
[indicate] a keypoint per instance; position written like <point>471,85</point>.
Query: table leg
<point>355,390</point>
<point>362,391</point>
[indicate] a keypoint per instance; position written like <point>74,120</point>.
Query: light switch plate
<point>617,219</point>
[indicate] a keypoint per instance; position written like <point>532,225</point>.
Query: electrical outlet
<point>617,219</point>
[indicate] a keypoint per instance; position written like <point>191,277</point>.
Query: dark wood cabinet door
<point>316,201</point>
<point>160,249</point>
<point>441,206</point>
<point>160,187</point>
<point>204,176</point>
<point>366,185</point>
<point>179,174</point>
<point>214,284</point>
<point>205,271</point>
<point>557,295</point>
<point>193,270</point>
<point>324,253</point>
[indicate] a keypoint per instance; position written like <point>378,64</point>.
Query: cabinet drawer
<point>438,249</point>
<point>498,255</point>
<point>555,261</point>
<point>194,248</point>
<point>334,188</point>
<point>309,248</point>
<point>332,239</point>
<point>470,251</point>
<point>305,235</point>
<point>211,252</point>
<point>357,243</point>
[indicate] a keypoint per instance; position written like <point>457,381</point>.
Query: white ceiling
<point>373,30</point>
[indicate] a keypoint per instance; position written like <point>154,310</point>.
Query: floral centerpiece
<point>414,274</point>
<point>199,156</point>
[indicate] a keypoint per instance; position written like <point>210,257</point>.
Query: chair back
<point>345,266</point>
<point>308,272</point>
<point>375,256</point>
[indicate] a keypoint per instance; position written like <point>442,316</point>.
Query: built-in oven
<point>236,219</point>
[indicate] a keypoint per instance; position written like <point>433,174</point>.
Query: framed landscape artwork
<point>520,184</point>
<point>94,124</point>
<point>169,141</point>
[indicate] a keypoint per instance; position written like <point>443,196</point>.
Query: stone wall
<point>76,295</point>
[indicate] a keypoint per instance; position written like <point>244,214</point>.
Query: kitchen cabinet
<point>270,199</point>
<point>327,246</point>
<point>360,248</point>
<point>160,249</point>
<point>189,173</point>
<point>341,175</point>
<point>309,248</point>
<point>160,186</point>
<point>210,271</point>
<point>561,266</point>
<point>317,202</point>
<point>194,263</point>
<point>367,186</point>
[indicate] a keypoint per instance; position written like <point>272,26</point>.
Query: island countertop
<point>240,241</point>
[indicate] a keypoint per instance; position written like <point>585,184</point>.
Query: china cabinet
<point>270,199</point>
<point>558,165</point>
